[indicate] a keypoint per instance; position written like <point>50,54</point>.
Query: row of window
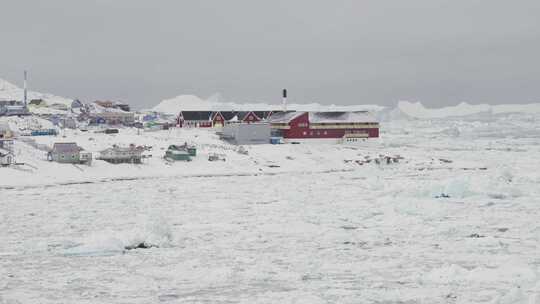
<point>318,133</point>
<point>354,139</point>
<point>311,133</point>
<point>355,131</point>
<point>63,156</point>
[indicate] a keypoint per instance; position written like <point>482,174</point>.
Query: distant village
<point>273,126</point>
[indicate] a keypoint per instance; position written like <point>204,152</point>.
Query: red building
<point>331,127</point>
<point>218,120</point>
<point>209,119</point>
<point>248,117</point>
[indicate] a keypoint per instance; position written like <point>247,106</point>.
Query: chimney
<point>284,102</point>
<point>25,94</point>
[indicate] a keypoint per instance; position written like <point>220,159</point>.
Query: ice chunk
<point>155,232</point>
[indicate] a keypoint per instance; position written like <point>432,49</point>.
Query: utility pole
<point>284,101</point>
<point>25,91</point>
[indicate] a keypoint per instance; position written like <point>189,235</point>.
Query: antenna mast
<point>25,93</point>
<point>284,102</point>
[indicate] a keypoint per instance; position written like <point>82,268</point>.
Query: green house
<point>192,150</point>
<point>178,155</point>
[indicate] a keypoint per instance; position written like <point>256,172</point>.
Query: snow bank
<point>155,232</point>
<point>514,273</point>
<point>452,188</point>
<point>456,188</point>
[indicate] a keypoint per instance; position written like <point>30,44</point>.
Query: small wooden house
<point>195,119</point>
<point>69,123</point>
<point>38,102</point>
<point>6,157</point>
<point>104,103</point>
<point>113,118</point>
<point>77,104</point>
<point>5,131</point>
<point>118,155</point>
<point>218,120</point>
<point>15,110</point>
<point>181,152</point>
<point>248,117</point>
<point>6,144</point>
<point>178,155</point>
<point>69,153</point>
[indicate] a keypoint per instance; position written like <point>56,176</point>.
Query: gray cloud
<point>344,52</point>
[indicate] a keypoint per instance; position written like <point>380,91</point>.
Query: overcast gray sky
<point>341,51</point>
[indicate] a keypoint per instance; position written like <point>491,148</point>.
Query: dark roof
<point>66,147</point>
<point>14,110</point>
<point>216,113</point>
<point>260,114</point>
<point>242,114</point>
<point>9,102</point>
<point>263,114</point>
<point>228,115</point>
<point>196,115</point>
<point>36,101</point>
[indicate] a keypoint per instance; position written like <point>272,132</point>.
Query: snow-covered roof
<point>341,117</point>
<point>284,117</point>
<point>118,149</point>
<point>178,152</point>
<point>325,117</point>
<point>4,152</point>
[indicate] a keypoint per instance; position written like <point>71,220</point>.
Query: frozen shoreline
<point>455,220</point>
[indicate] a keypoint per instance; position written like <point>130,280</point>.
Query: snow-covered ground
<point>454,221</point>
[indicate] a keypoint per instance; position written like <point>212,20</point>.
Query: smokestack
<point>284,102</point>
<point>25,96</point>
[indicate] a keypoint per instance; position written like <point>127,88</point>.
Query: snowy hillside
<point>9,91</point>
